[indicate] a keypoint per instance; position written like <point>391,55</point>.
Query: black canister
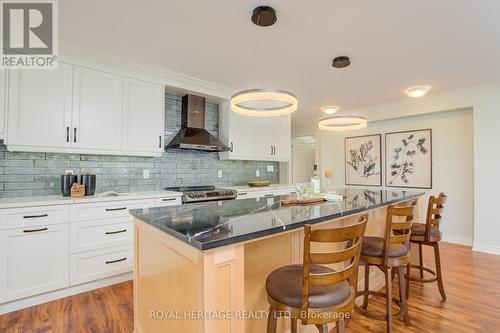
<point>89,182</point>
<point>66,182</point>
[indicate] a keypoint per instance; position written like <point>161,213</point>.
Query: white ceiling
<point>393,44</point>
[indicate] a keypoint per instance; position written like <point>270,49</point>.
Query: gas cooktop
<point>203,193</point>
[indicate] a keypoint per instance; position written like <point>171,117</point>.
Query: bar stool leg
<point>438,270</point>
<point>272,320</point>
<point>388,298</point>
<point>367,287</point>
<point>293,327</point>
<point>421,260</point>
<point>402,295</point>
<point>408,270</point>
<point>341,326</point>
<point>322,328</point>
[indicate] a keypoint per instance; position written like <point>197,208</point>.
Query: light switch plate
<point>270,168</point>
<point>145,174</point>
<point>219,173</point>
<point>257,173</point>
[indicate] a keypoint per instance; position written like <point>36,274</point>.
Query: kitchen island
<point>202,267</point>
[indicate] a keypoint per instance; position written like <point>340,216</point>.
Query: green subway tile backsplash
<point>35,174</point>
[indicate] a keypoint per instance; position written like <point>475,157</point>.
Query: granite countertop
<point>60,200</point>
<point>210,225</point>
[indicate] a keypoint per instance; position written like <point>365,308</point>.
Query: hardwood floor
<point>472,283</point>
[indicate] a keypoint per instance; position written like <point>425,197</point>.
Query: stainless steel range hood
<point>193,134</point>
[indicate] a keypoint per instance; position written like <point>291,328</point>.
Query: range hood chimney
<point>193,134</point>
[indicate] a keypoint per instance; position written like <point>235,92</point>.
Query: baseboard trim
<point>458,240</point>
<point>486,248</point>
<point>53,295</point>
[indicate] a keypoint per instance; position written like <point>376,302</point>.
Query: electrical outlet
<point>219,173</point>
<point>257,173</point>
<point>270,168</point>
<point>145,174</point>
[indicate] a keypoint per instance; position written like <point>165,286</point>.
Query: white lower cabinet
<point>33,260</point>
<point>95,265</point>
<point>249,194</point>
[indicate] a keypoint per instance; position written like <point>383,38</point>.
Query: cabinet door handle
<point>35,230</point>
<point>74,134</point>
<point>269,195</point>
<point>271,150</point>
<point>274,150</point>
<point>115,232</point>
<point>232,147</point>
<point>243,193</point>
<point>34,216</point>
<point>67,134</point>
<point>159,146</point>
<point>117,260</point>
<point>168,199</point>
<point>115,209</point>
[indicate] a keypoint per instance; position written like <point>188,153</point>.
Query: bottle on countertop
<point>316,180</point>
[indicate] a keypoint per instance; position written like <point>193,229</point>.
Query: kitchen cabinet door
<point>143,116</point>
<point>39,107</point>
<point>97,110</point>
<point>236,131</point>
<point>33,261</point>
<point>272,138</point>
<point>282,138</point>
<point>3,100</point>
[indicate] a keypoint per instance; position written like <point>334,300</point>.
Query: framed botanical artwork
<point>363,160</point>
<point>408,159</point>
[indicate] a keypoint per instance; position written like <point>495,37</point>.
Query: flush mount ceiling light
<point>342,123</point>
<point>264,102</point>
<point>264,16</point>
<point>330,109</point>
<point>417,91</point>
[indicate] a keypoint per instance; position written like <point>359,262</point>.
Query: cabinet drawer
<point>95,265</point>
<point>12,218</point>
<point>95,235</point>
<point>105,210</point>
<point>168,201</point>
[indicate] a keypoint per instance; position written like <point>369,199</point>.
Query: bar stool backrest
<point>398,228</point>
<point>434,213</point>
<point>349,254</point>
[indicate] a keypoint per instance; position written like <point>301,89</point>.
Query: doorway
<point>303,158</point>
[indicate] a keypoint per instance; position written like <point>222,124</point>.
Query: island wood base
<point>173,280</point>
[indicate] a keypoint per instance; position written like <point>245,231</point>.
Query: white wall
<point>453,173</point>
<point>485,103</point>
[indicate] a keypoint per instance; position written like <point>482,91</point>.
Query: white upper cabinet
<point>143,121</point>
<point>255,138</point>
<point>39,107</point>
<point>3,100</point>
<point>74,109</point>
<point>97,110</point>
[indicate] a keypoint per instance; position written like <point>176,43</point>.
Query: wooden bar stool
<point>313,293</point>
<point>428,234</point>
<point>391,252</point>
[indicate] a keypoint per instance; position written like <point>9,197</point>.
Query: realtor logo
<point>29,34</point>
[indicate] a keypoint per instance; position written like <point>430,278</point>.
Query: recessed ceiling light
<point>330,109</point>
<point>417,91</point>
<point>342,123</point>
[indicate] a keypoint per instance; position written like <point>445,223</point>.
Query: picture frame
<point>408,159</point>
<point>363,160</point>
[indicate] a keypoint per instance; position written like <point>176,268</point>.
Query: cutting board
<point>302,202</point>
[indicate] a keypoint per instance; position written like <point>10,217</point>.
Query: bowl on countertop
<point>259,183</point>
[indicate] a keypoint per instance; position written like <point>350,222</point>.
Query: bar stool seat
<point>374,247</point>
<point>285,286</point>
